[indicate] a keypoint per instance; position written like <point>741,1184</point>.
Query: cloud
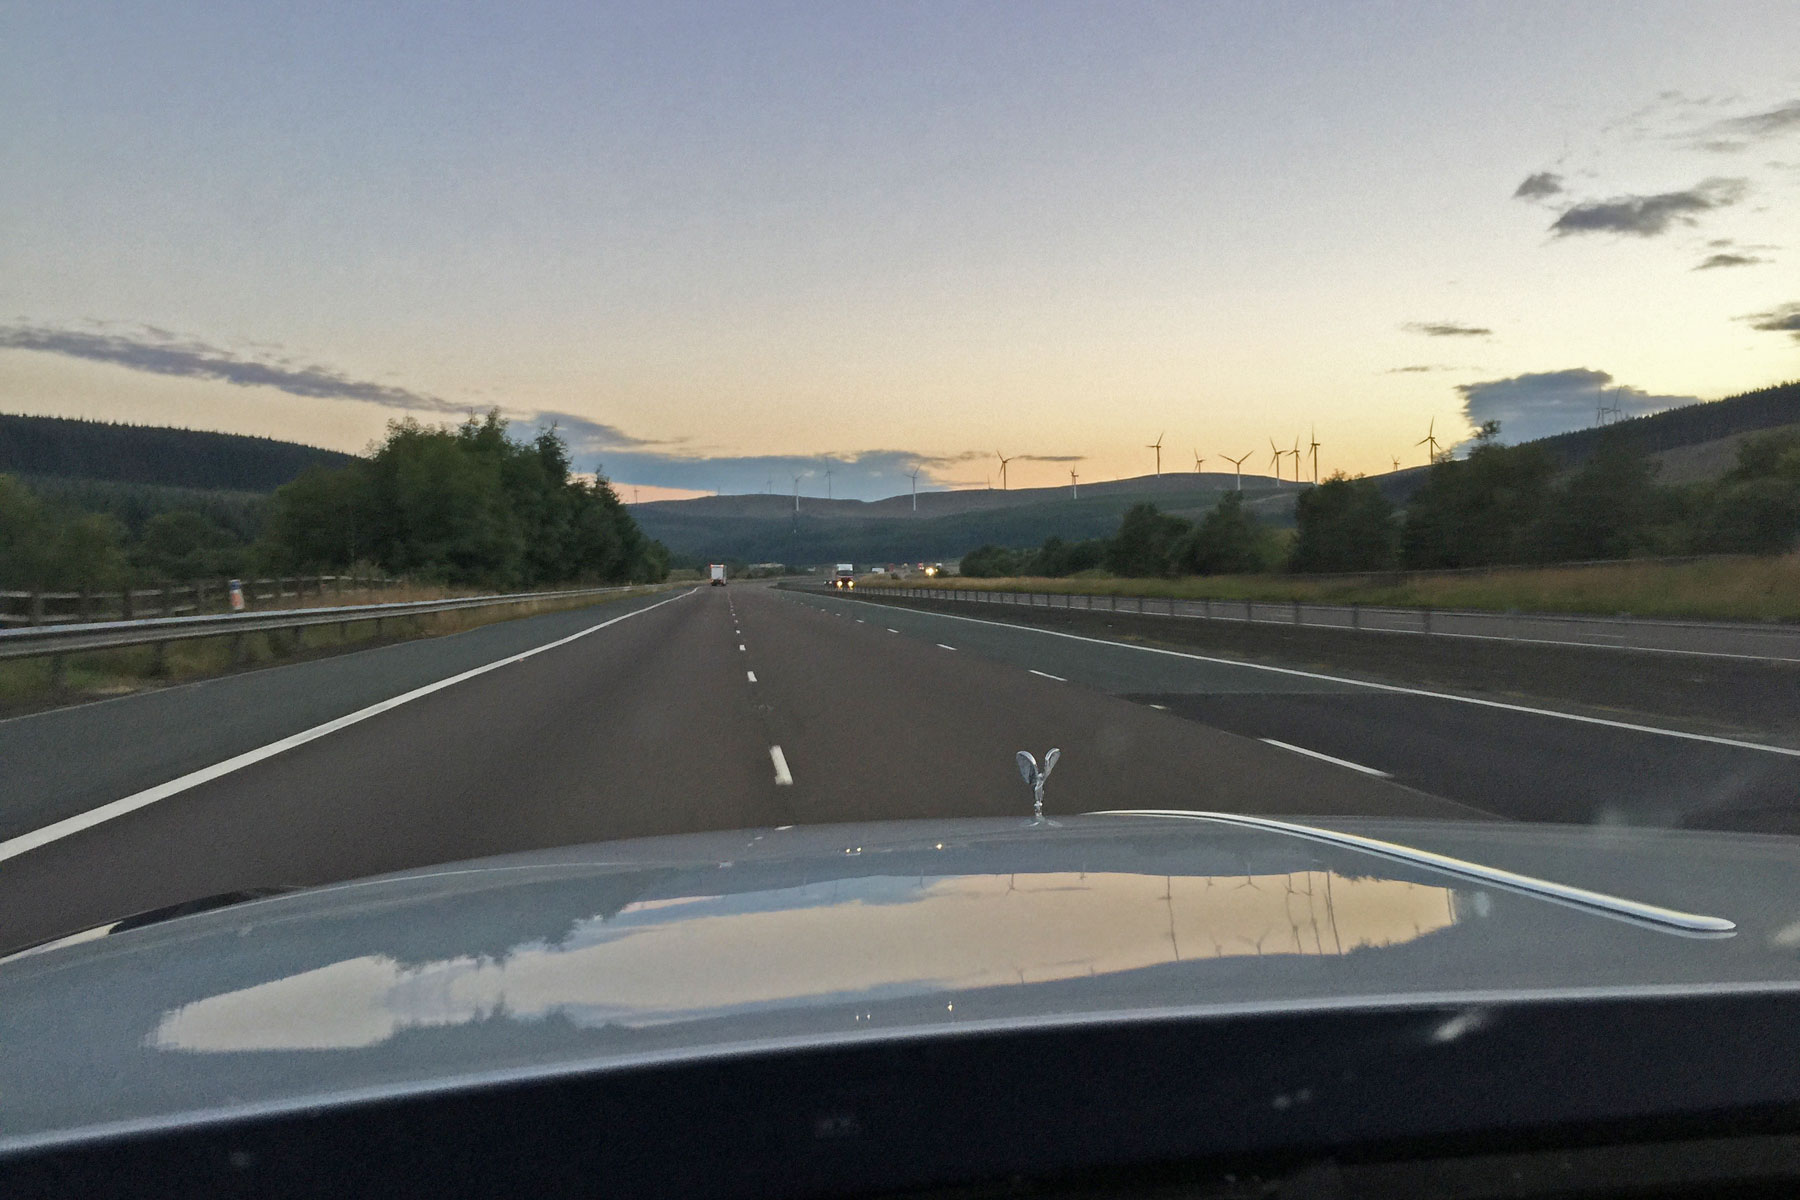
<point>1538,186</point>
<point>1729,260</point>
<point>1538,405</point>
<point>593,437</point>
<point>1737,133</point>
<point>160,352</point>
<point>1446,329</point>
<point>1414,370</point>
<point>1784,319</point>
<point>1648,216</point>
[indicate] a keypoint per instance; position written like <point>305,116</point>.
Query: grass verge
<point>32,684</point>
<point>1718,589</point>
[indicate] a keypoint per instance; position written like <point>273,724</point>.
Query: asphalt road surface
<point>747,706</point>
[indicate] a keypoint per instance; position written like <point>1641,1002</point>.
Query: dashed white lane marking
<point>162,791</point>
<point>1342,762</point>
<point>941,646</point>
<point>893,631</point>
<point>1164,707</point>
<point>1736,743</point>
<point>782,778</point>
<point>1046,674</point>
<point>740,646</point>
<point>751,675</point>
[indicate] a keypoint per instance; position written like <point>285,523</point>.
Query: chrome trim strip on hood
<point>1616,906</point>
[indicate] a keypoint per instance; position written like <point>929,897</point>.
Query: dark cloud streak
<point>160,353</point>
<point>1447,329</point>
<point>1538,186</point>
<point>1648,216</point>
<point>1784,319</point>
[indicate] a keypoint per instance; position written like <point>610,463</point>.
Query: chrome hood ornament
<point>1034,778</point>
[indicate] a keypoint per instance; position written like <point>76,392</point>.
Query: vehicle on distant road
<point>1232,997</point>
<point>717,573</point>
<point>844,576</point>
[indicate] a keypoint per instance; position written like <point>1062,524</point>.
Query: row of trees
<point>1499,505</point>
<point>467,505</point>
<point>463,505</point>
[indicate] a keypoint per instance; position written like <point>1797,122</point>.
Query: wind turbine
<point>1238,463</point>
<point>1430,439</point>
<point>796,494</point>
<point>1315,453</point>
<point>1157,446</point>
<point>915,487</point>
<point>1197,461</point>
<point>1396,464</point>
<point>1276,454</point>
<point>1003,461</point>
<point>828,483</point>
<point>1296,453</point>
<point>1074,490</point>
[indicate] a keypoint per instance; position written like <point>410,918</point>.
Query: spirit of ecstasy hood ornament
<point>1029,772</point>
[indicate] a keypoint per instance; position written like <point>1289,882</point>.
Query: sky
<point>724,245</point>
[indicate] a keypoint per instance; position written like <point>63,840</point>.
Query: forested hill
<point>1765,408</point>
<point>64,448</point>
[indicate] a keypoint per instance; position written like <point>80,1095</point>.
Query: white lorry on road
<point>717,571</point>
<point>844,576</point>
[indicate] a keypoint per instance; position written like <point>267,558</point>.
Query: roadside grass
<point>31,684</point>
<point>1720,589</point>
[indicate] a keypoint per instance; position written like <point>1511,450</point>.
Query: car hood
<point>608,956</point>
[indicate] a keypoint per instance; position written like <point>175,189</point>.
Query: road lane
<point>66,761</point>
<point>643,728</point>
<point>652,726</point>
<point>1511,761</point>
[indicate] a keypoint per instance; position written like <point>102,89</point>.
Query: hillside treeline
<point>462,505</point>
<point>1501,505</point>
<point>138,454</point>
<point>1764,408</point>
<point>467,505</point>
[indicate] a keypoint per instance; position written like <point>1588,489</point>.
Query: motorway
<point>748,706</point>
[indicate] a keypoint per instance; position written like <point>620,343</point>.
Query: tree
<point>1755,508</point>
<point>1228,541</point>
<point>186,544</point>
<point>44,547</point>
<point>465,505</point>
<point>1344,524</point>
<point>990,562</point>
<point>1481,510</point>
<point>1147,543</point>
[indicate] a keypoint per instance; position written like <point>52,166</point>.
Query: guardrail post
<point>82,606</point>
<point>159,659</point>
<point>1248,617</point>
<point>56,671</point>
<point>1425,619</point>
<point>1296,612</point>
<point>37,608</point>
<point>1140,601</point>
<point>1355,615</point>
<point>125,603</point>
<point>1206,607</point>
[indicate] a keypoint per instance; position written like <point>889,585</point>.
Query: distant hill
<point>1689,425</point>
<point>948,524</point>
<point>64,448</point>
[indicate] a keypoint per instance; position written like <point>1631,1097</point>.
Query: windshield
<point>429,435</point>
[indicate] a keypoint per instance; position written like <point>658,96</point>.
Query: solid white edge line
<point>1735,743</point>
<point>1342,762</point>
<point>58,830</point>
<point>1046,674</point>
<point>782,777</point>
<point>752,675</point>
